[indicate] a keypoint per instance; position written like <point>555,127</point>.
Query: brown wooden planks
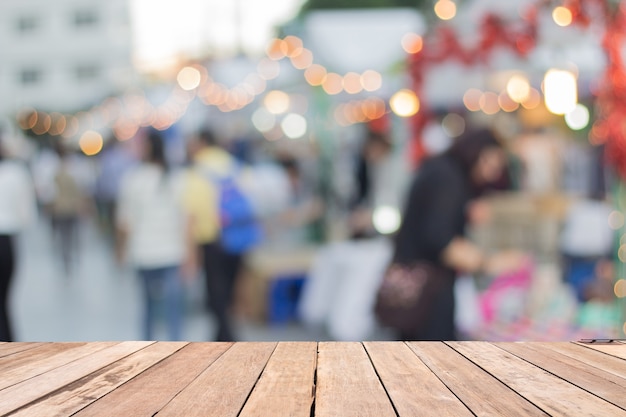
<point>83,392</point>
<point>20,395</point>
<point>614,348</point>
<point>412,387</point>
<point>550,393</point>
<point>591,357</point>
<point>14,347</point>
<point>222,389</point>
<point>587,377</point>
<point>347,384</point>
<point>286,387</point>
<point>478,390</point>
<point>149,392</point>
<point>33,362</point>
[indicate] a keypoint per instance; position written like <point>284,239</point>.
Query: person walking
<point>154,230</point>
<point>17,209</point>
<point>222,235</point>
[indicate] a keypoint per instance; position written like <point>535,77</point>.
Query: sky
<point>163,29</point>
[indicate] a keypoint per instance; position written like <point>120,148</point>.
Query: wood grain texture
<point>589,356</point>
<point>614,348</point>
<point>222,389</point>
<point>15,347</point>
<point>347,384</point>
<point>27,391</point>
<point>412,387</point>
<point>83,392</point>
<point>149,392</point>
<point>477,389</point>
<point>548,392</point>
<point>287,385</point>
<point>30,363</point>
<point>601,383</point>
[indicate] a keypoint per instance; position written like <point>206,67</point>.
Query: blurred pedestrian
<point>154,230</point>
<point>211,187</point>
<point>435,218</point>
<point>17,209</point>
<point>68,203</point>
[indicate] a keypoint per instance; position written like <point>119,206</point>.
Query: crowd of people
<point>174,222</point>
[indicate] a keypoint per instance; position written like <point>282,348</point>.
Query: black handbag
<point>406,293</point>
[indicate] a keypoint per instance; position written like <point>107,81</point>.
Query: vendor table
<point>313,379</point>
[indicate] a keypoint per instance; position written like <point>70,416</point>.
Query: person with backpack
<point>224,223</point>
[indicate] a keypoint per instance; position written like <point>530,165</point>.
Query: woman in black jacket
<point>435,218</point>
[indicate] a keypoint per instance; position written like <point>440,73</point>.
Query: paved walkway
<point>99,301</point>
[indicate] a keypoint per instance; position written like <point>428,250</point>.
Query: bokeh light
<point>578,118</point>
<point>315,75</point>
<point>533,101</point>
<point>412,43</point>
<point>445,9</point>
<point>562,16</point>
<point>276,101</point>
<point>352,83</point>
<point>189,78</point>
<point>294,126</point>
<point>277,49</point>
<point>303,60</point>
<point>404,103</point>
<point>518,88</point>
<point>268,69</point>
<point>91,143</point>
<point>616,220</point>
<point>371,80</point>
<point>506,103</point>
<point>560,91</point>
<point>620,288</point>
<point>333,83</point>
<point>386,219</point>
<point>453,125</point>
<point>471,99</point>
<point>263,120</point>
<point>489,103</point>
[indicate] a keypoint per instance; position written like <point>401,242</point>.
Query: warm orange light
<point>404,103</point>
<point>562,16</point>
<point>620,288</point>
<point>58,124</point>
<point>471,99</point>
<point>412,43</point>
<point>489,103</point>
<point>371,80</point>
<point>277,49</point>
<point>506,102</point>
<point>44,121</point>
<point>315,75</point>
<point>294,45</point>
<point>533,101</point>
<point>445,9</point>
<point>303,60</point>
<point>352,83</point>
<point>333,84</point>
<point>91,143</point>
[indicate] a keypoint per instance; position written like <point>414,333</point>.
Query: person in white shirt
<point>17,209</point>
<point>153,230</point>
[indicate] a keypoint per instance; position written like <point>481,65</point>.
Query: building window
<point>85,18</point>
<point>87,72</point>
<point>27,24</point>
<point>30,76</point>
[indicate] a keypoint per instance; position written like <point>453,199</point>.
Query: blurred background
<point>293,90</point>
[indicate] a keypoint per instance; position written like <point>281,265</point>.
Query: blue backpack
<point>240,229</point>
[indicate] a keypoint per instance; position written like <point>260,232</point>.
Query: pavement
<point>99,300</point>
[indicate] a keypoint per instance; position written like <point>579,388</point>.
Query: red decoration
<point>520,37</point>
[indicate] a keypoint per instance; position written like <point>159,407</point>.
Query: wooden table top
<point>312,379</point>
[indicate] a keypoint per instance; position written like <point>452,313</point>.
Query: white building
<point>62,55</point>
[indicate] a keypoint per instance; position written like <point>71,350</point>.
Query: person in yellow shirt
<point>201,199</point>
